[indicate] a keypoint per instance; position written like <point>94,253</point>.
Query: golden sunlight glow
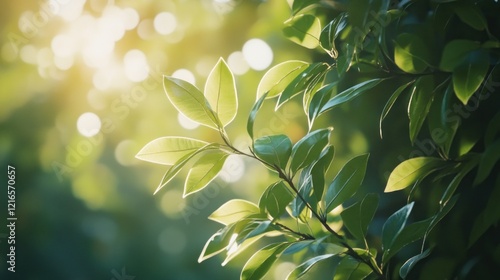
<point>237,63</point>
<point>125,152</point>
<point>88,124</point>
<point>136,66</point>
<point>258,54</point>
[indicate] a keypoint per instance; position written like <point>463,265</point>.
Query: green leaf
<point>407,235</point>
<point>394,225</point>
<point>331,32</point>
<point>465,168</point>
<point>344,61</point>
<point>488,160</point>
<point>468,76</point>
<point>220,91</point>
<point>347,182</point>
<point>260,263</point>
<point>455,52</point>
<point>304,30</point>
<point>217,243</point>
<point>275,199</point>
<point>350,269</point>
<point>174,169</point>
<point>319,169</point>
<point>304,267</point>
<point>204,171</point>
<point>309,148</point>
<point>350,94</point>
<point>318,101</point>
<point>304,82</point>
<point>274,149</point>
<point>420,104</point>
<point>391,102</point>
<point>411,170</point>
<point>410,53</point>
<point>233,211</point>
<point>253,114</point>
<point>471,15</point>
<point>189,100</point>
<point>298,246</point>
<point>168,150</point>
<point>358,216</point>
<point>279,77</point>
<point>299,5</point>
<point>409,264</point>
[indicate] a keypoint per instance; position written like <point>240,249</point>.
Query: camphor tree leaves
<point>323,219</point>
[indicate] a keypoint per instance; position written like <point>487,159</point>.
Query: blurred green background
<point>81,93</point>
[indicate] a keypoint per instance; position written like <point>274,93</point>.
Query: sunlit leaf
<point>168,150</point>
<point>409,264</point>
<point>220,91</point>
<point>468,76</point>
<point>350,94</point>
<point>411,170</point>
<point>217,243</point>
<point>234,210</point>
<point>455,52</point>
<point>410,53</point>
<point>331,32</point>
<point>189,100</point>
<point>279,77</point>
<point>298,246</point>
<point>391,102</point>
<point>260,263</point>
<point>420,104</point>
<point>347,182</point>
<point>308,149</point>
<point>304,30</point>
<point>204,171</point>
<point>299,5</point>
<point>275,199</point>
<point>253,114</point>
<point>274,149</point>
<point>394,225</point>
<point>304,267</point>
<point>351,269</point>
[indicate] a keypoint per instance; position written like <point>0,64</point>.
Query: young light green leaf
<point>468,76</point>
<point>276,198</point>
<point>220,91</point>
<point>204,171</point>
<point>304,267</point>
<point>394,225</point>
<point>420,103</point>
<point>351,269</point>
<point>410,53</point>
<point>309,148</point>
<point>409,264</point>
<point>411,170</point>
<point>253,114</point>
<point>299,5</point>
<point>350,94</point>
<point>189,100</point>
<point>233,211</point>
<point>319,169</point>
<point>279,77</point>
<point>455,52</point>
<point>318,101</point>
<point>330,33</point>
<point>274,149</point>
<point>174,169</point>
<point>168,150</point>
<point>304,30</point>
<point>347,182</point>
<point>391,102</point>
<point>260,263</point>
<point>358,216</point>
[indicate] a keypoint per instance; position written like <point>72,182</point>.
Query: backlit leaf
<point>411,170</point>
<point>168,150</point>
<point>253,114</point>
<point>304,30</point>
<point>234,210</point>
<point>468,76</point>
<point>279,77</point>
<point>204,171</point>
<point>410,53</point>
<point>304,267</point>
<point>260,263</point>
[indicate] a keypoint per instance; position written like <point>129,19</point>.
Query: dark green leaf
<point>488,217</point>
<point>304,267</point>
<point>410,53</point>
<point>344,60</point>
<point>318,101</point>
<point>253,114</point>
<point>488,160</point>
<point>319,169</point>
<point>351,269</point>
<point>465,168</point>
<point>394,225</point>
<point>411,170</point>
<point>260,263</point>
<point>304,30</point>
<point>189,100</point>
<point>274,149</point>
<point>391,102</point>
<point>409,264</point>
<point>277,198</point>
<point>420,103</point>
<point>350,94</point>
<point>308,149</point>
<point>468,76</point>
<point>331,32</point>
<point>297,247</point>
<point>279,77</point>
<point>455,52</point>
<point>470,14</point>
<point>347,182</point>
<point>358,216</point>
<point>204,171</point>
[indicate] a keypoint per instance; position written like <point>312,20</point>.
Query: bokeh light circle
<point>258,54</point>
<point>88,124</point>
